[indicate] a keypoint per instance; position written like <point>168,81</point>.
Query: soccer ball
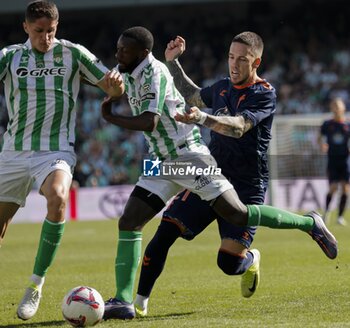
<point>83,306</point>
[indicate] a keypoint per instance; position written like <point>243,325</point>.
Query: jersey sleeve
<point>259,105</point>
<point>5,55</point>
<point>153,90</point>
<point>91,68</point>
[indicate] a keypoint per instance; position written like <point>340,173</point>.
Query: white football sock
<point>38,281</point>
<point>142,301</point>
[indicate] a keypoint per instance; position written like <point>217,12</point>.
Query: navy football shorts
<point>338,170</point>
<point>192,215</point>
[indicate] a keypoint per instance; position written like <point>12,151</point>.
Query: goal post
<point>294,150</point>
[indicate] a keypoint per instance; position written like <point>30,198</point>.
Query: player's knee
<point>229,206</point>
<point>57,201</point>
<point>167,232</point>
<point>129,223</point>
<point>165,236</point>
<point>230,264</point>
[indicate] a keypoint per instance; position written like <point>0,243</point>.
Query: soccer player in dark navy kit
<point>242,112</point>
<point>334,140</point>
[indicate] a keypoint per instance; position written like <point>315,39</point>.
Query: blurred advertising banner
<point>102,203</point>
<point>84,204</point>
<point>299,194</point>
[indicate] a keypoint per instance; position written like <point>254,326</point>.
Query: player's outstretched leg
<point>251,278</point>
<point>323,236</point>
<point>312,223</point>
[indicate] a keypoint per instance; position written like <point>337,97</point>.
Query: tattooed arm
<point>231,126</point>
<point>184,84</point>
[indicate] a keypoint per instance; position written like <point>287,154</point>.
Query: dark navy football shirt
<point>243,160</point>
<point>337,135</point>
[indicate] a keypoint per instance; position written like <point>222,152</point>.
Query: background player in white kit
<point>42,79</point>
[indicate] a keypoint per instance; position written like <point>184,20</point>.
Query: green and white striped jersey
<point>41,91</point>
<point>150,87</point>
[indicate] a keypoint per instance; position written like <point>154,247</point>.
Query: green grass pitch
<point>299,286</point>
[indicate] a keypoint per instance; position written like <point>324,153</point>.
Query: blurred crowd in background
<point>306,58</point>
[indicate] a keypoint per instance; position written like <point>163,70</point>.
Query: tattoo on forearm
<point>231,126</point>
<point>189,90</point>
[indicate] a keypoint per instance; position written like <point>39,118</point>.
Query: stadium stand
<point>307,59</point>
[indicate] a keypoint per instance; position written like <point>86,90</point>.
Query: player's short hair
<point>253,40</point>
<point>141,35</point>
<point>337,102</point>
<point>337,99</point>
<point>38,9</point>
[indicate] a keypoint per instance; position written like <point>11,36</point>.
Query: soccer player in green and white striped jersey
<point>42,78</point>
<point>154,101</point>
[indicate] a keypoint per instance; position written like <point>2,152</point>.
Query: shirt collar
<point>139,68</point>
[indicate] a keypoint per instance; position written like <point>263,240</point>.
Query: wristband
<point>202,118</point>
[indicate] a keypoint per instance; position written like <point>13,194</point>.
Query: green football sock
<point>272,217</point>
<point>126,263</point>
<point>51,234</point>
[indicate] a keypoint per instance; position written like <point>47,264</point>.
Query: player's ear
<point>256,62</point>
<point>146,52</point>
<point>25,27</point>
<point>143,54</point>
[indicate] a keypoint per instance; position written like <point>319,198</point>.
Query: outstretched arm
<point>323,143</point>
<point>231,126</point>
<point>183,83</point>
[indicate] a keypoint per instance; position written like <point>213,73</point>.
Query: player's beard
<point>243,80</point>
<point>128,68</point>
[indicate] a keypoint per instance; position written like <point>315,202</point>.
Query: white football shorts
<point>174,177</point>
<point>19,171</point>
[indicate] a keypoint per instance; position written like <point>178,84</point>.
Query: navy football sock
<point>155,256</point>
<point>328,200</point>
<point>342,203</point>
<point>233,264</point>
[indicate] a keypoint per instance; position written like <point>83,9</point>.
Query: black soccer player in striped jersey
<point>334,140</point>
<point>242,106</point>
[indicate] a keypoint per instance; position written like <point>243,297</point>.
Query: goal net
<point>294,150</point>
<point>297,166</point>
